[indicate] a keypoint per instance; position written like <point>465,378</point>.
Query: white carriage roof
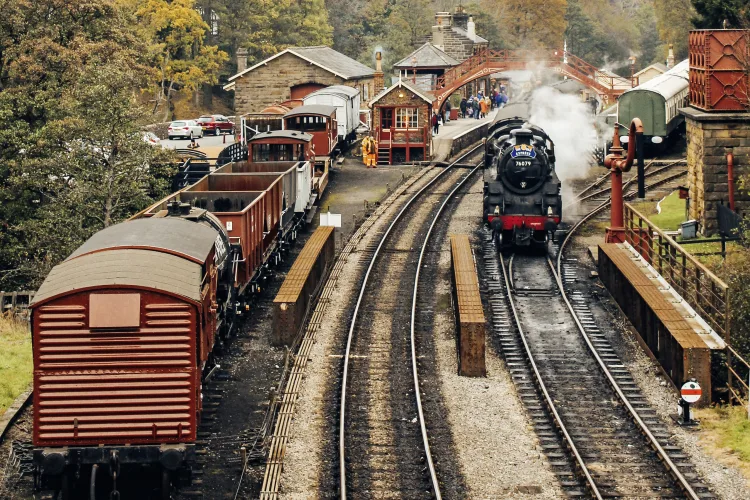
<point>322,56</point>
<point>668,84</point>
<point>336,90</point>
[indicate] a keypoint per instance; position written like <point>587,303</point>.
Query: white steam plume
<point>569,122</point>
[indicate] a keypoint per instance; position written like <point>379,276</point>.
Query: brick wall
<point>271,83</point>
<point>710,137</point>
<point>409,99</point>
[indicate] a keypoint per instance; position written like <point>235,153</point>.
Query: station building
<point>296,72</point>
<point>401,123</point>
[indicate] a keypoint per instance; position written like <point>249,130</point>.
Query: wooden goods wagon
<point>121,332</point>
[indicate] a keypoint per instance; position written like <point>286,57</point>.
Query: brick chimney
<point>460,17</point>
<point>443,19</point>
<point>378,79</point>
<point>241,60</point>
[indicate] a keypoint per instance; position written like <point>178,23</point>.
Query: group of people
<point>479,105</point>
<point>476,106</point>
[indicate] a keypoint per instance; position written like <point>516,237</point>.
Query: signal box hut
<point>401,123</point>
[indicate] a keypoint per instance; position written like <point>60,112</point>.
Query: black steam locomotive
<point>522,202</point>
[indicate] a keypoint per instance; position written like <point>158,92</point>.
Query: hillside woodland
<point>79,79</point>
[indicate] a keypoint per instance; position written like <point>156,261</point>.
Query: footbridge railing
<point>706,293</point>
<point>489,61</point>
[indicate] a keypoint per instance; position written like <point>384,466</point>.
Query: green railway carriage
<point>656,103</point>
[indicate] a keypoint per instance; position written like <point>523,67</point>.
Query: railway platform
<point>469,310</point>
<point>679,339</point>
<point>455,135</point>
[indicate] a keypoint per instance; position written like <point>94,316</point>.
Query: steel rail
<point>543,388</point>
<point>582,196</point>
<point>417,390</point>
<point>350,335</point>
<point>654,442</point>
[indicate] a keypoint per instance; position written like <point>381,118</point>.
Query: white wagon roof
<point>336,90</point>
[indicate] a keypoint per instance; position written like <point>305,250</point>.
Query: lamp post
<point>414,69</point>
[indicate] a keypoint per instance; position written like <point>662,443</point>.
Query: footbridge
<point>487,62</point>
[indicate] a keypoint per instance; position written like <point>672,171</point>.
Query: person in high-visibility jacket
<point>366,151</point>
<point>373,153</point>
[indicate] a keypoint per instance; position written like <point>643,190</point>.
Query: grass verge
<point>726,433</point>
<point>16,364</point>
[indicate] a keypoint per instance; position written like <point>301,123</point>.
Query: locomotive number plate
<point>523,163</point>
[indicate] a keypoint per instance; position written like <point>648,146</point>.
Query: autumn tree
<point>533,25</point>
<point>176,33</point>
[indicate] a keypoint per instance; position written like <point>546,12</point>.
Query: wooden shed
<point>401,123</point>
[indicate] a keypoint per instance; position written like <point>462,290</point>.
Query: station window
<point>386,118</point>
<point>407,118</point>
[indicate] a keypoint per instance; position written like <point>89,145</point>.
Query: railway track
<point>653,169</point>
<point>384,447</point>
<point>598,431</point>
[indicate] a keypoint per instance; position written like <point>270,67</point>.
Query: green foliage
<point>673,24</point>
<point>711,14</point>
<point>16,363</point>
<point>72,159</point>
<point>265,27</point>
<point>731,426</point>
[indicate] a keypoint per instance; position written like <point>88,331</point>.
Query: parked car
<point>151,138</point>
<point>184,128</point>
<point>216,124</point>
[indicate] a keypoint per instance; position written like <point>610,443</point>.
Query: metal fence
<point>16,304</point>
<point>704,291</point>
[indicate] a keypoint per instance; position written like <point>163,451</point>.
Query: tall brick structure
<point>711,136</point>
<point>296,72</point>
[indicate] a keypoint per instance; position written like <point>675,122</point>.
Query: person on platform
<point>435,123</point>
<point>477,108</point>
<point>482,108</point>
<point>448,108</point>
<point>462,105</point>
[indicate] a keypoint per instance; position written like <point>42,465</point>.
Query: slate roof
<point>407,86</point>
<point>173,234</point>
<point>427,56</point>
<point>463,32</point>
<point>323,57</point>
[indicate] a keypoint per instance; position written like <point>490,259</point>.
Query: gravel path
<point>727,482</point>
<point>498,452</point>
